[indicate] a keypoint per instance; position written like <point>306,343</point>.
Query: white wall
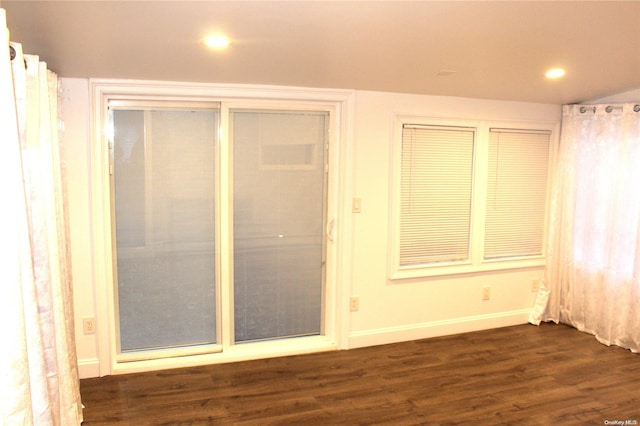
<point>389,311</point>
<point>629,96</point>
<point>397,310</point>
<point>75,142</point>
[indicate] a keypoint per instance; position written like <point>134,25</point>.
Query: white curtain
<point>593,271</point>
<point>38,378</point>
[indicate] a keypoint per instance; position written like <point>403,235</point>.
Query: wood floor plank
<point>514,375</point>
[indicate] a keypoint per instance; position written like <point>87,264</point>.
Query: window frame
<point>476,261</point>
<point>421,190</point>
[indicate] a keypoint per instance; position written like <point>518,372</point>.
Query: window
<point>435,194</point>
<point>468,196</point>
<point>516,193</point>
<point>289,144</point>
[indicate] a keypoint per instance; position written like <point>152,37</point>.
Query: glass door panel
<point>279,192</point>
<point>163,194</point>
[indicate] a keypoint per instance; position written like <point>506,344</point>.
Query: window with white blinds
<point>435,194</point>
<point>469,196</point>
<point>518,167</point>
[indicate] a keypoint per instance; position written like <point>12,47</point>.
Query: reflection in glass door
<point>163,190</point>
<point>279,192</point>
<point>165,204</point>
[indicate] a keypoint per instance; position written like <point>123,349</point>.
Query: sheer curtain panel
<point>39,379</point>
<point>593,268</point>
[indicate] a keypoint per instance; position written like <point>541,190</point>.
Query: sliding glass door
<point>167,212</point>
<point>164,204</point>
<point>279,194</point>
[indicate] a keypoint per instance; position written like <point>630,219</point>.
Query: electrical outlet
<point>354,304</point>
<point>486,293</point>
<point>535,284</point>
<point>89,325</point>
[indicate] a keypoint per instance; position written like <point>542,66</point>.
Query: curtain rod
<point>608,108</point>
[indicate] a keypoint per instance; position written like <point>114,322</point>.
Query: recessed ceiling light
<point>555,73</point>
<point>217,41</point>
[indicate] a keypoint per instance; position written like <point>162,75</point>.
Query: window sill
<point>412,272</point>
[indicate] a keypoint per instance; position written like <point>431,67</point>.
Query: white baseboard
<point>383,336</point>
<point>88,368</point>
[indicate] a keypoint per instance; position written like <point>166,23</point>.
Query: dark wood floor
<point>547,375</point>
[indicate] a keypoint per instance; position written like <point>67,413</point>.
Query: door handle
<point>330,226</point>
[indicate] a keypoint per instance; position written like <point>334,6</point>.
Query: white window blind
<point>436,183</point>
<point>516,193</point>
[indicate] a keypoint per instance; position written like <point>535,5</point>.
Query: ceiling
<point>496,50</point>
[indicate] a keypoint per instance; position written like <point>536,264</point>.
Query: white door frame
<point>339,250</point>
